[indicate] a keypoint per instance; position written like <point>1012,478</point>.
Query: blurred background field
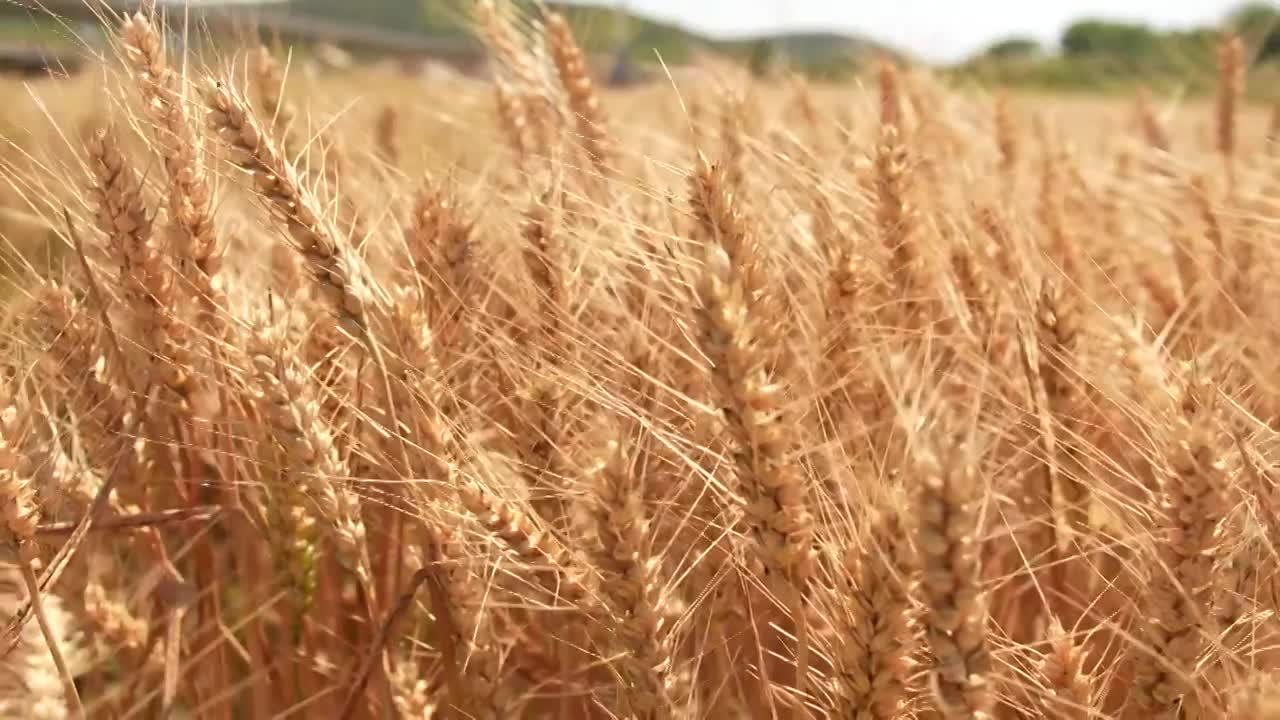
<point>347,60</point>
<point>1089,54</point>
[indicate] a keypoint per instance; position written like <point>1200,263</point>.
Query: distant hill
<point>815,53</point>
<point>603,30</point>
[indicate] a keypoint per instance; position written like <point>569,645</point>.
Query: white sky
<point>936,30</point>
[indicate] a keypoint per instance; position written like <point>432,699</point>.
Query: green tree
<point>442,16</point>
<point>1259,24</point>
<point>1013,48</point>
<point>1127,42</point>
<point>763,57</point>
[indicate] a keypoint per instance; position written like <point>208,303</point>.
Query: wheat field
<point>364,395</point>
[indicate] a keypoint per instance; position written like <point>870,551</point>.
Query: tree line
<point>1096,52</point>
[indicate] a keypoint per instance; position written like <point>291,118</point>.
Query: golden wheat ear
<point>955,620</point>
<point>164,95</point>
<point>878,638</point>
<point>21,519</point>
<point>335,268</point>
<point>583,101</point>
